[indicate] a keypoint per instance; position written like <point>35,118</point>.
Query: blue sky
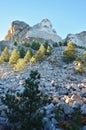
<point>67,16</point>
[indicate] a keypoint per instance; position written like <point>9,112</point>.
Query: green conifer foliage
<point>40,54</point>
<point>28,56</point>
<point>48,50</point>
<point>35,45</point>
<point>1,59</point>
<point>5,54</point>
<point>84,55</point>
<point>24,108</point>
<point>69,53</point>
<point>15,55</point>
<point>20,65</point>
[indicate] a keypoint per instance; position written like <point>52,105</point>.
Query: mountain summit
<point>22,30</point>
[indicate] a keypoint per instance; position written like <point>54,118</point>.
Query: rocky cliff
<point>79,38</point>
<point>21,31</point>
<point>17,30</point>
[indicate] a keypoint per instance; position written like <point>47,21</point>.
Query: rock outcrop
<point>4,44</point>
<point>44,30</point>
<point>17,30</point>
<point>20,30</point>
<point>78,39</point>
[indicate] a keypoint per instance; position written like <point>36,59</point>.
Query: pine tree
<point>20,65</point>
<point>1,59</point>
<point>5,54</point>
<point>28,56</point>
<point>35,45</point>
<point>24,108</point>
<point>84,55</point>
<point>33,60</point>
<point>48,50</point>
<point>16,41</point>
<point>40,54</point>
<point>15,55</point>
<point>21,51</point>
<point>69,53</point>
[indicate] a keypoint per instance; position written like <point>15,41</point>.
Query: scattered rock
<point>83,109</point>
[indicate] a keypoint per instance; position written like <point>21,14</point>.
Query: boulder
<point>83,109</point>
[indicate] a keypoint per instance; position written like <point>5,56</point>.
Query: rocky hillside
<point>58,80</point>
<point>78,39</point>
<point>20,30</point>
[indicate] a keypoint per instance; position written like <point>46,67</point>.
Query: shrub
<point>64,43</point>
<point>22,51</point>
<point>79,68</point>
<point>23,43</point>
<point>35,45</point>
<point>72,122</point>
<point>55,44</point>
<point>46,44</point>
<point>79,59</point>
<point>28,44</point>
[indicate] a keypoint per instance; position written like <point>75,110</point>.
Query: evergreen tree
<point>84,55</point>
<point>28,56</point>
<point>35,45</point>
<point>5,54</point>
<point>46,44</point>
<point>69,53</point>
<point>15,55</point>
<point>40,54</point>
<point>20,65</point>
<point>33,60</point>
<point>1,59</point>
<point>16,41</point>
<point>24,108</point>
<point>21,51</point>
<point>48,50</point>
